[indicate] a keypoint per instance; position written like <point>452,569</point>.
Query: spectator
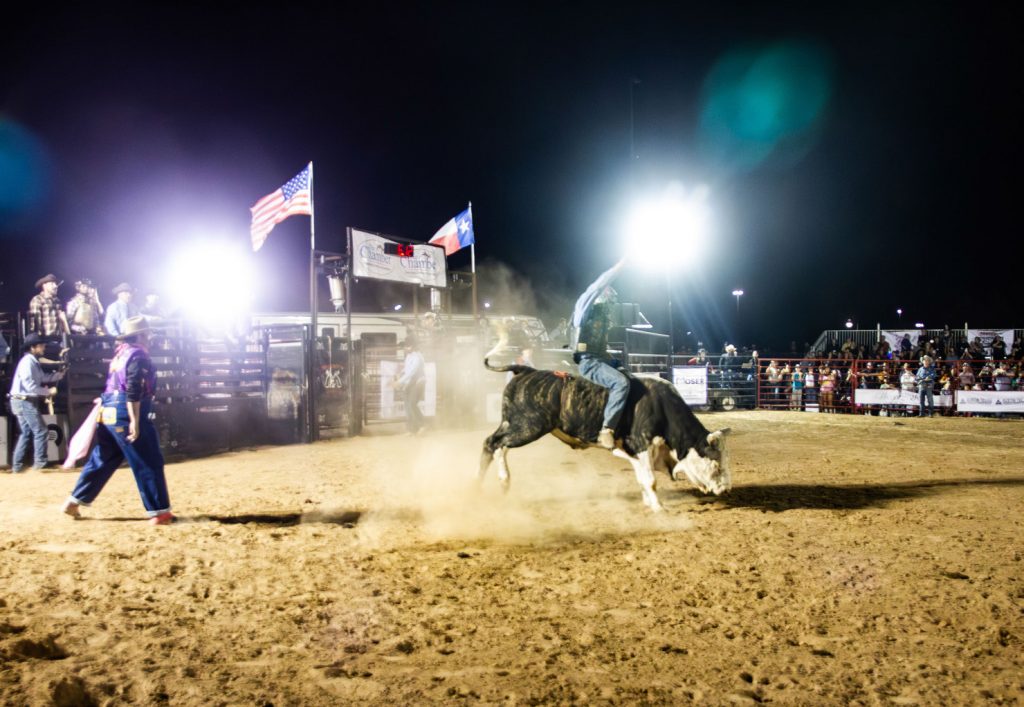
<point>774,376</point>
<point>126,432</point>
<point>905,347</point>
<point>966,377</point>
<point>998,348</point>
<point>28,392</point>
<point>984,378</point>
<point>700,359</point>
<point>84,309</point>
<point>45,314</point>
<point>796,398</point>
<point>1001,379</point>
<point>975,351</point>
<point>810,391</point>
<point>926,376</point>
<point>827,386</point>
<point>121,310</point>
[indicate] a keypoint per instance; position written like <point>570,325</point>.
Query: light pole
<point>899,315</point>
<point>737,294</point>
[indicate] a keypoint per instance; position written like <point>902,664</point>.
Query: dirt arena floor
<point>857,561</point>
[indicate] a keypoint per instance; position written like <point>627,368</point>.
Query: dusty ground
<point>857,561</point>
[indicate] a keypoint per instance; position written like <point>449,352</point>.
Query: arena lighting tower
<point>737,294</point>
<point>667,232</point>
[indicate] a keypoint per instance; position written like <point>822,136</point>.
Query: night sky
<point>877,170</point>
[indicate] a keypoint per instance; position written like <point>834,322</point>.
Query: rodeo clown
<point>125,430</point>
<point>591,320</point>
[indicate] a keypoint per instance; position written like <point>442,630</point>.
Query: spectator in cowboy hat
<point>84,309</point>
<point>121,310</point>
<point>45,312</point>
<point>126,432</point>
<point>29,388</point>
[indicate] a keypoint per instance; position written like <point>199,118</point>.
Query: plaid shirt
<point>44,315</point>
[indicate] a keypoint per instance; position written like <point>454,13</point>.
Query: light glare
<point>669,230</point>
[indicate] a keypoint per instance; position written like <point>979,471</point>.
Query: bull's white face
<point>710,472</point>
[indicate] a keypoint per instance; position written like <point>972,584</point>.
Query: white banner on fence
<point>895,336</point>
<point>991,401</point>
<point>896,397</point>
<point>692,383</point>
<point>988,334</point>
<point>427,266</point>
<point>392,404</point>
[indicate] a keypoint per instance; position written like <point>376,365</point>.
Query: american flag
<point>295,197</point>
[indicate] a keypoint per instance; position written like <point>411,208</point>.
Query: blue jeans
<point>412,395</point>
<point>30,422</point>
<point>597,371</point>
<point>112,448</point>
<point>926,394</point>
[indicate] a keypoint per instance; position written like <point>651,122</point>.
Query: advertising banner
<point>896,398</point>
<point>392,404</point>
<point>990,401</point>
<point>987,335</point>
<point>895,336</point>
<point>426,266</point>
<point>692,383</point>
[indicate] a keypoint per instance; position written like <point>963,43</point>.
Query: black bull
<point>657,428</point>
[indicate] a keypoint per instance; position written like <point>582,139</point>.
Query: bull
<point>657,429</point>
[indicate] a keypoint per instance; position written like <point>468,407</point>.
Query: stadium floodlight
<point>398,308</point>
<point>669,229</point>
<point>919,325</point>
<point>849,324</point>
<point>211,282</point>
<point>487,305</point>
<point>737,294</point>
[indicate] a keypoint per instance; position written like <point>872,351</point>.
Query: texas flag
<point>457,233</point>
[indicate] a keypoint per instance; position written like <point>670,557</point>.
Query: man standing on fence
<point>925,379</point>
<point>125,430</point>
<point>121,310</point>
<point>45,312</point>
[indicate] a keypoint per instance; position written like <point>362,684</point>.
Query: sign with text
<point>990,401</point>
<point>896,397</point>
<point>426,266</point>
<point>692,383</point>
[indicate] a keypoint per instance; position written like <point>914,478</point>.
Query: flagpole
<point>472,257</point>
<point>314,354</point>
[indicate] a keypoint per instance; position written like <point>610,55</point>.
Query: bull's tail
<point>515,368</point>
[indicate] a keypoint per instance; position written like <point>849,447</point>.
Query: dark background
<point>136,129</point>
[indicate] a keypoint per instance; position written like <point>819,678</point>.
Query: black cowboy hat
<point>31,340</point>
<point>49,277</point>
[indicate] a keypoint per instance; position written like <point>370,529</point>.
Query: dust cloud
<point>550,499</point>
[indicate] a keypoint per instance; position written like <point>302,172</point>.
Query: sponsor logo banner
<point>896,397</point>
<point>991,401</point>
<point>692,383</point>
<point>986,336</point>
<point>426,267</point>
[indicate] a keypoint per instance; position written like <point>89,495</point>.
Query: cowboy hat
<point>123,287</point>
<point>135,325</point>
<point>49,277</point>
<point>31,340</point>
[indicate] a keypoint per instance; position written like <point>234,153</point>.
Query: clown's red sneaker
<point>162,519</point>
